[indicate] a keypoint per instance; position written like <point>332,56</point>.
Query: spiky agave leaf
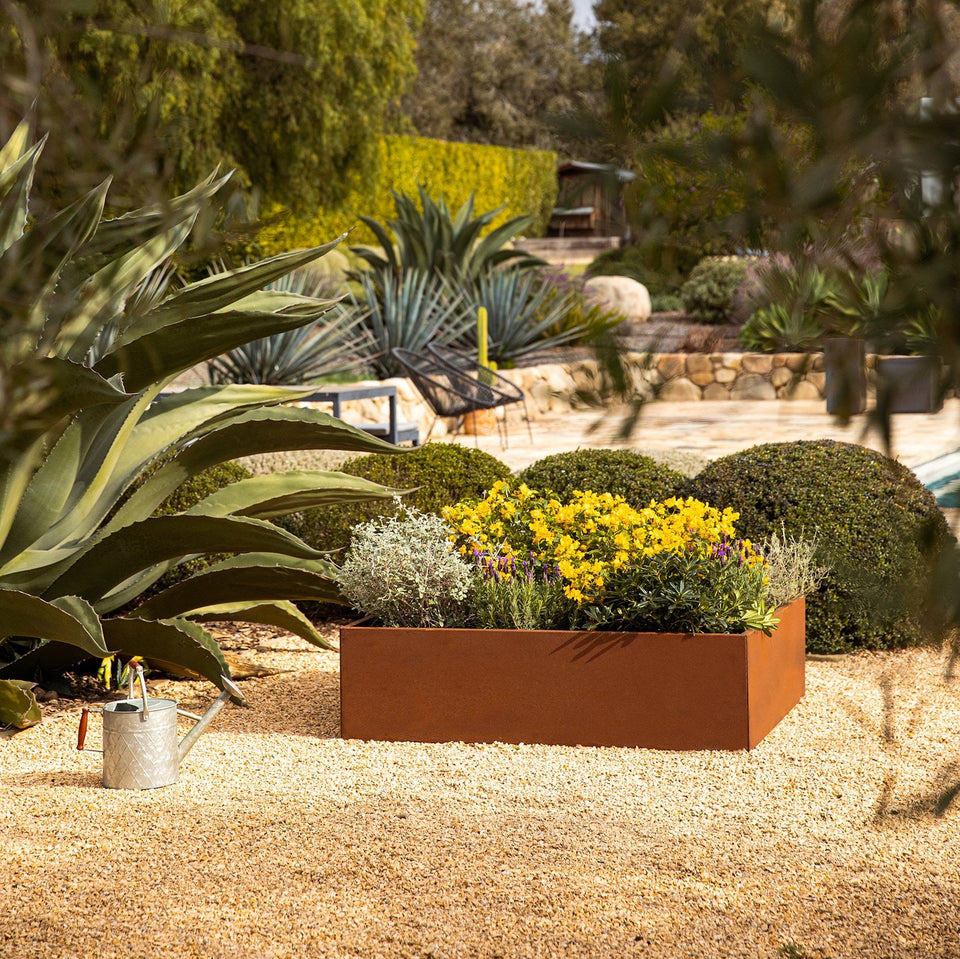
<point>71,562</point>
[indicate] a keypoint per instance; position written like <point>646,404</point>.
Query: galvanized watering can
<point>140,748</point>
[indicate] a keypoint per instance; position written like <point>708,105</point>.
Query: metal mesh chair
<point>467,363</point>
<point>450,391</point>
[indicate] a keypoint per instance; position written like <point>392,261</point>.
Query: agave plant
<point>409,311</point>
<point>338,343</point>
<point>80,430</point>
<point>432,240</point>
<point>524,311</point>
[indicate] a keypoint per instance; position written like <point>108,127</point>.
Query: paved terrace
<point>715,428</point>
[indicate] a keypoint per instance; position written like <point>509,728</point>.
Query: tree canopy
<point>495,71</point>
<point>291,94</point>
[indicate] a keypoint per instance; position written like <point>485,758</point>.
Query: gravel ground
<point>281,839</point>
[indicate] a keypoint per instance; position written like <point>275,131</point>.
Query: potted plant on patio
<point>524,619</point>
<point>911,379</point>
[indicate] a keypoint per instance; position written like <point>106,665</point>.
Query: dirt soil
<point>281,839</point>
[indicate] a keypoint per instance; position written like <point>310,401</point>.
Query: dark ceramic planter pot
<point>844,365</point>
<point>653,690</point>
<point>909,384</point>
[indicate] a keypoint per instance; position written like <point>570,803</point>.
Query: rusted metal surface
<point>653,690</point>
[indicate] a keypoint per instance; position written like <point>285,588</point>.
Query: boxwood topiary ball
<point>441,473</point>
<point>637,478</point>
<point>878,528</point>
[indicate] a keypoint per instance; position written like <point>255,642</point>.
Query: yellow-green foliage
<point>522,181</point>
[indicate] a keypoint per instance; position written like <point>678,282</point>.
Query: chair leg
<point>526,416</point>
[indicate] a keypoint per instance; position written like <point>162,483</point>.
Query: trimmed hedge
<point>637,478</point>
<point>522,181</point>
<point>878,527</point>
<point>441,474</point>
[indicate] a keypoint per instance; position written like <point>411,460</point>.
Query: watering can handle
<point>82,731</point>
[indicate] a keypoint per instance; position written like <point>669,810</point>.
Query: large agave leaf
<point>170,644</point>
<point>68,619</point>
<point>103,296</point>
<point>227,289</point>
<point>99,457</point>
<point>247,433</point>
<point>16,146</point>
<point>50,245</point>
<point>282,614</point>
<point>94,571</point>
<point>15,183</point>
<point>281,493</point>
<point>18,706</point>
<point>179,346</point>
<point>85,463</point>
<point>72,387</point>
<point>265,578</point>
<point>137,227</point>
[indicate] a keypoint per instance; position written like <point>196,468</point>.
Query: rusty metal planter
<point>654,690</point>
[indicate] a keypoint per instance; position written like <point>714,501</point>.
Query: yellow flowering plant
<point>599,545</point>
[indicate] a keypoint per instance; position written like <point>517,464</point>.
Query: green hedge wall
<point>524,181</point>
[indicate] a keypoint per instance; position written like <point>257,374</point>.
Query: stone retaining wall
<point>554,388</point>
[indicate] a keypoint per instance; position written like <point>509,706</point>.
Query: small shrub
<point>666,303</point>
<point>791,568</point>
<point>878,530</point>
<point>509,595</point>
<point>708,295</point>
<point>637,478</point>
<point>440,473</point>
<point>403,571</point>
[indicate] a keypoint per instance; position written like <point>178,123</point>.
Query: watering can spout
<point>229,689</point>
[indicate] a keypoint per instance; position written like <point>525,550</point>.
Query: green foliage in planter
<point>525,599</point>
<point>878,530</point>
<point>709,292</point>
<point>440,474</point>
<point>693,591</point>
<point>637,478</point>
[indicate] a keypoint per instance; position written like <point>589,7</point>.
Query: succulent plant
<point>79,428</point>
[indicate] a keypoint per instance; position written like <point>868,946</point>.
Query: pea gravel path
<point>283,840</point>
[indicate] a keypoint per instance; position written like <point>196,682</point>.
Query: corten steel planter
<point>654,690</point>
<point>909,384</point>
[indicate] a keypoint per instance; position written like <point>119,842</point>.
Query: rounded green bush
<point>879,530</point>
<point>708,295</point>
<point>637,478</point>
<point>442,473</point>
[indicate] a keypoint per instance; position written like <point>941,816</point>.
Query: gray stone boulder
<point>621,294</point>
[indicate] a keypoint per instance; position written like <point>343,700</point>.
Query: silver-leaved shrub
<point>403,571</point>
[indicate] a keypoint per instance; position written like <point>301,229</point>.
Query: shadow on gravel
<point>88,779</point>
<point>303,703</point>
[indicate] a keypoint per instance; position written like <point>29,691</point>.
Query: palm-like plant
<point>80,429</point>
<point>430,239</point>
<point>527,312</point>
<point>338,343</point>
<point>409,311</point>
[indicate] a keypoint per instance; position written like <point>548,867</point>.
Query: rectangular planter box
<point>909,384</point>
<point>654,690</point>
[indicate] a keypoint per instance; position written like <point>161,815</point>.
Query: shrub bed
<point>878,529</point>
